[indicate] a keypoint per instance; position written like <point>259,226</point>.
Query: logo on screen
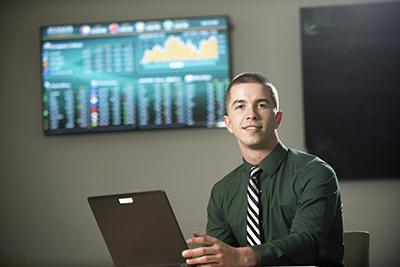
<point>85,30</point>
<point>113,28</point>
<point>168,25</point>
<point>140,26</point>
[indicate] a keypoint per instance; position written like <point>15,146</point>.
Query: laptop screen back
<point>140,229</point>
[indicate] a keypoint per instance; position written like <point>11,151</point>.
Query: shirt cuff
<point>265,254</point>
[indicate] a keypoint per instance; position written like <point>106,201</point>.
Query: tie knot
<point>254,171</point>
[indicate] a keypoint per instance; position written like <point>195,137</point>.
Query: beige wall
<point>44,181</point>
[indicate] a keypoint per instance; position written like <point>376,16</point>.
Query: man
<point>299,220</point>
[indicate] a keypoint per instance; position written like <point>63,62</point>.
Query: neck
<point>255,156</point>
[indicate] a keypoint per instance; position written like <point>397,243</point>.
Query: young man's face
<point>252,116</point>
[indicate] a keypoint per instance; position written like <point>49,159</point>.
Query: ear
<point>228,123</point>
<point>278,119</point>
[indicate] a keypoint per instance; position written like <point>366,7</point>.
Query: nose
<point>252,113</point>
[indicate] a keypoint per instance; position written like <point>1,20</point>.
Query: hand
<point>217,253</point>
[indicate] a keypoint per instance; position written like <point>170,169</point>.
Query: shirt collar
<point>271,162</point>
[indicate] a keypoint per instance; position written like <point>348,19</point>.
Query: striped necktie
<point>253,208</point>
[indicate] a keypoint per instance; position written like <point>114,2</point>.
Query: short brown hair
<point>253,77</point>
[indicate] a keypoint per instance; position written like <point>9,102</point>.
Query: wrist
<point>249,257</point>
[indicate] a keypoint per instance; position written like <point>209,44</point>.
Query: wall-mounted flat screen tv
<point>135,75</point>
<point>351,82</point>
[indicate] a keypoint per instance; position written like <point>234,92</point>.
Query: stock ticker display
<point>135,75</point>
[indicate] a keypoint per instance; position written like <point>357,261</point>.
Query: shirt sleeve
<point>216,224</point>
<point>318,198</point>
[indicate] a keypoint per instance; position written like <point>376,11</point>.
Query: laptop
<point>139,229</point>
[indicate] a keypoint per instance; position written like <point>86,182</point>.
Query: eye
<point>239,107</point>
<point>262,105</point>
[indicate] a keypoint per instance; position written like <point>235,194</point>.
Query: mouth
<point>251,127</point>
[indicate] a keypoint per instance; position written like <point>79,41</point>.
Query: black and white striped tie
<point>253,208</point>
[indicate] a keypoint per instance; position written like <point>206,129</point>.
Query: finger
<point>195,252</point>
<point>207,260</point>
<point>197,234</point>
<point>201,240</point>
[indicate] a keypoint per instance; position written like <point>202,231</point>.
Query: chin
<point>253,145</point>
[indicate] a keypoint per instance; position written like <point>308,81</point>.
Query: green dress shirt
<point>301,210</point>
